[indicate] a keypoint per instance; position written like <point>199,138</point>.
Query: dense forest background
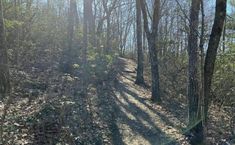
<point>83,72</point>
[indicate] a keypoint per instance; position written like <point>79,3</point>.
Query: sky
<point>230,9</point>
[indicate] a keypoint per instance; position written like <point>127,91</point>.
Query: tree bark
<point>220,15</point>
<point>4,69</point>
<point>140,61</point>
<point>152,40</point>
<point>85,46</point>
<point>224,35</point>
<point>195,123</point>
<point>91,23</point>
<point>71,23</point>
<point>68,54</point>
<point>202,57</point>
<point>108,10</point>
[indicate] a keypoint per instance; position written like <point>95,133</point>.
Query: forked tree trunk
<point>152,42</point>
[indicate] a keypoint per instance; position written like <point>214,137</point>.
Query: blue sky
<point>230,9</point>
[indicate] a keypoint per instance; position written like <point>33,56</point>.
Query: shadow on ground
<point>127,115</point>
<point>114,112</point>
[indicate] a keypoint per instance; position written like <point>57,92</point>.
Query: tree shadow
<point>117,109</point>
<point>149,130</point>
<point>107,113</point>
<point>150,107</point>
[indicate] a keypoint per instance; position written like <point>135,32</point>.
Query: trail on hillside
<point>138,121</point>
<point>49,108</point>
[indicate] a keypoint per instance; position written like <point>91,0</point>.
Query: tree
<point>108,10</point>
<point>4,70</point>
<point>140,63</point>
<point>71,23</point>
<point>91,22</point>
<point>67,59</point>
<point>193,87</point>
<point>220,16</point>
<point>85,43</point>
<point>152,40</point>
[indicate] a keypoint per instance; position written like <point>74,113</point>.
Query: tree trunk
<point>154,69</point>
<point>4,69</point>
<point>202,56</point>
<point>68,54</point>
<point>108,41</point>
<point>220,15</point>
<point>140,64</point>
<point>152,40</point>
<point>91,23</point>
<point>84,49</point>
<point>17,35</point>
<point>195,123</point>
<point>71,23</point>
<point>224,36</point>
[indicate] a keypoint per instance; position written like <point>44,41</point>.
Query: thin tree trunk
<point>4,69</point>
<point>91,23</point>
<point>71,24</point>
<point>224,36</point>
<point>140,61</point>
<point>17,45</point>
<point>108,41</point>
<point>201,45</point>
<point>220,15</point>
<point>85,45</point>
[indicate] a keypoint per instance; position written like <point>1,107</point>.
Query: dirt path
<point>138,120</point>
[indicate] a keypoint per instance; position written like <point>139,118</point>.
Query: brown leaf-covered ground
<point>48,108</point>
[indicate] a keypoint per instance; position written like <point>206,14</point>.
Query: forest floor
<point>139,120</point>
<point>49,109</point>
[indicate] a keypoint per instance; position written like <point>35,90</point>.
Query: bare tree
<point>85,43</point>
<point>140,66</point>
<point>108,10</point>
<point>220,15</point>
<point>4,69</point>
<point>152,40</point>
<point>195,123</point>
<point>91,22</point>
<point>71,23</point>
